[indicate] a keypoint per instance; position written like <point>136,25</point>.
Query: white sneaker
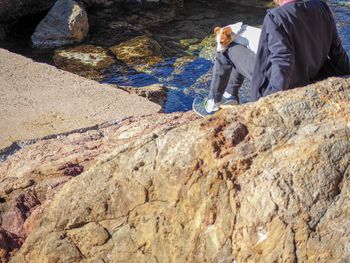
<point>210,105</point>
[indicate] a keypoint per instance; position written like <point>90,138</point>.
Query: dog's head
<point>224,37</point>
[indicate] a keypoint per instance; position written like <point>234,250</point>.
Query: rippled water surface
<point>193,77</point>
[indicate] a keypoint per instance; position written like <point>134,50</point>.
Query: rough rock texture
<point>156,93</point>
<point>66,23</point>
<point>84,60</point>
<point>28,185</point>
<point>140,52</point>
<point>37,100</point>
<point>263,182</point>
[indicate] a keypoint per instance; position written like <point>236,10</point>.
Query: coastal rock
<point>156,93</point>
<point>41,176</point>
<point>207,48</point>
<point>65,23</point>
<point>140,52</point>
<point>84,60</point>
<point>108,34</point>
<point>261,182</point>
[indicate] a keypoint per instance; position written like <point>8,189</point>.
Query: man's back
<point>296,42</point>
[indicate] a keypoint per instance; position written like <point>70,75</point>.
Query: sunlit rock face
<point>66,23</point>
<point>262,182</point>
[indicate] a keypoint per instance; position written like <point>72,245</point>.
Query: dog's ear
<point>216,30</point>
<point>227,31</point>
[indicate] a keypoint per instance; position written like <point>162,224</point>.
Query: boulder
<point>84,60</point>
<point>66,23</point>
<point>261,182</point>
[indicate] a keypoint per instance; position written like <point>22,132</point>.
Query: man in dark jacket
<point>299,44</point>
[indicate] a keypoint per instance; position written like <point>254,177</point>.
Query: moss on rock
<point>140,52</point>
<point>84,60</point>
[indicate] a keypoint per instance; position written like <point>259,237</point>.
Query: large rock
<point>27,187</point>
<point>65,23</point>
<point>262,182</point>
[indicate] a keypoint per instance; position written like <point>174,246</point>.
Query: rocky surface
<point>84,60</point>
<point>156,93</point>
<point>66,23</point>
<point>140,52</point>
<point>27,188</point>
<point>262,182</point>
<point>37,100</point>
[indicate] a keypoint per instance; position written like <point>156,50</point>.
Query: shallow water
<point>193,78</point>
<point>342,15</point>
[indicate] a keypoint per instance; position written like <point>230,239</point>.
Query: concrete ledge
<point>38,99</point>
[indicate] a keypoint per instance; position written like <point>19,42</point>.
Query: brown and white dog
<point>242,34</point>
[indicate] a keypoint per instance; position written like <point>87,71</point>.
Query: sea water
<point>192,79</point>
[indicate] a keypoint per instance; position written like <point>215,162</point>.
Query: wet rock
<point>84,60</point>
<point>112,33</point>
<point>261,182</point>
<point>207,48</point>
<point>189,42</point>
<point>156,93</point>
<point>124,20</point>
<point>66,23</point>
<point>140,52</point>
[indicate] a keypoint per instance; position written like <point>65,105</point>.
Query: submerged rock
<point>65,23</point>
<point>84,60</point>
<point>207,48</point>
<point>262,182</point>
<point>140,52</point>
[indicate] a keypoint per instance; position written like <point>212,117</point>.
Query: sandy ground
<point>37,100</point>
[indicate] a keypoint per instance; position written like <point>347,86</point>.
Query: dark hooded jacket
<point>299,44</point>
